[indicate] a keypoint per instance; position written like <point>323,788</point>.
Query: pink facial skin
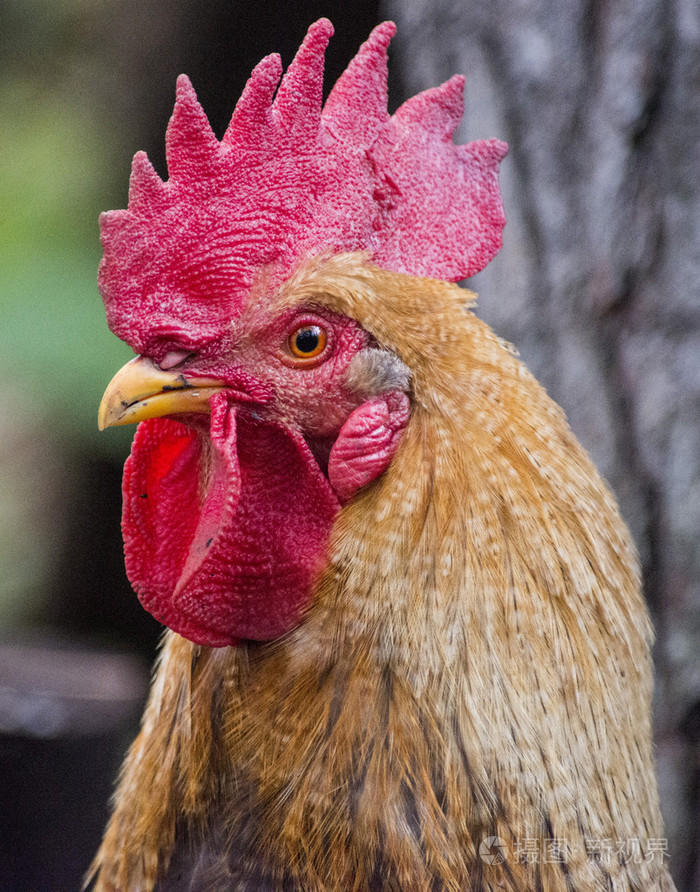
<point>227,517</point>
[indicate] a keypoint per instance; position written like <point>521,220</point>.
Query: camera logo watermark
<point>493,850</point>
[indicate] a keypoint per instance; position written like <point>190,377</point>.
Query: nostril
<point>174,358</point>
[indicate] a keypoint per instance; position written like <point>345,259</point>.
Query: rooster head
<point>262,410</point>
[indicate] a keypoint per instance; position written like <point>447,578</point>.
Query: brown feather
<point>475,663</point>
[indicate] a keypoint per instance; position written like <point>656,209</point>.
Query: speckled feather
<point>475,662</point>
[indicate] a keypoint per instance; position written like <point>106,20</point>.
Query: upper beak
<point>141,390</point>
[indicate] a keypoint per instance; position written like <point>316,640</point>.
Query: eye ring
<point>307,341</point>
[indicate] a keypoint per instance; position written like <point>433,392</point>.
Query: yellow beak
<point>141,390</point>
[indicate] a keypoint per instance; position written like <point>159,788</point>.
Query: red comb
<point>292,177</point>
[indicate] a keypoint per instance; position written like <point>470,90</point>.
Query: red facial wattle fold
<point>224,533</point>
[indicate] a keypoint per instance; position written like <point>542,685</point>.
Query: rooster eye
<point>308,341</point>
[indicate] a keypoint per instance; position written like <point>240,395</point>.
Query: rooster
<point>407,648</point>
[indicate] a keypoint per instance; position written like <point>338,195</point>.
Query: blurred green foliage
<point>58,161</point>
<point>56,174</point>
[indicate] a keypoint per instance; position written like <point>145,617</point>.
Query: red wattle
<point>224,534</point>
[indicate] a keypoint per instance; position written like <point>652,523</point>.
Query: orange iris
<point>308,341</point>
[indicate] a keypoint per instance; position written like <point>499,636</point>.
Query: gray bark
<point>597,282</point>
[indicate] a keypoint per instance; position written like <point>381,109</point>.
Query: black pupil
<point>307,340</point>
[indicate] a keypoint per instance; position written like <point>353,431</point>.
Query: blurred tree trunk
<point>598,283</point>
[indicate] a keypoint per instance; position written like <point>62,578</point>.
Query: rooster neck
<point>475,664</point>
<point>454,680</point>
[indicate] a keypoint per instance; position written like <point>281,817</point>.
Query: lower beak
<point>141,390</point>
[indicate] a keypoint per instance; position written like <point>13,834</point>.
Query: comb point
<point>297,106</point>
<point>191,145</point>
<point>357,104</point>
<point>253,109</point>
